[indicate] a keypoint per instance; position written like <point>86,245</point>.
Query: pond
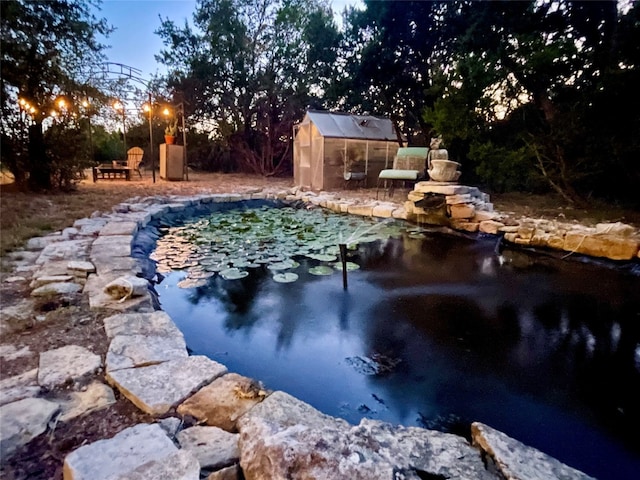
<point>434,330</point>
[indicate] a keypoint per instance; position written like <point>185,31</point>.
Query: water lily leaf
<point>233,273</point>
<point>284,265</point>
<point>323,257</point>
<point>286,277</point>
<point>321,270</point>
<point>350,266</point>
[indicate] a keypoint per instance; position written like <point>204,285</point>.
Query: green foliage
<point>503,168</point>
<point>45,47</point>
<point>250,68</point>
<point>67,147</point>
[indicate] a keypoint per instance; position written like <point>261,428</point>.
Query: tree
<point>559,71</point>
<point>249,68</point>
<point>389,57</point>
<point>46,46</point>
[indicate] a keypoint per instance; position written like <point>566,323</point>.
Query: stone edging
<point>148,362</point>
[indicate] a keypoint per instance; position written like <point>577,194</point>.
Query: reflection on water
<point>439,332</point>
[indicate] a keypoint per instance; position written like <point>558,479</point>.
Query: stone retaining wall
<point>242,425</point>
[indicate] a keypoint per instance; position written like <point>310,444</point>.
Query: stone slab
<point>461,210</point>
<point>94,397</point>
<point>224,401</point>
<point>362,210</point>
<point>491,226</point>
<point>22,421</point>
<point>76,267</point>
<point>119,228</point>
<point>157,388</point>
<point>65,250</point>
<point>155,323</point>
<point>213,447</point>
<point>133,351</point>
<point>383,211</point>
<point>45,279</point>
<point>70,363</point>
<point>18,387</point>
<point>57,288</point>
<point>181,465</point>
<point>602,245</point>
<point>519,462</point>
<point>117,457</point>
<point>443,189</point>
<point>285,438</point>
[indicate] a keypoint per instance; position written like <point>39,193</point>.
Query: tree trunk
<point>39,164</point>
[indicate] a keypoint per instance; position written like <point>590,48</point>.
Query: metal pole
<point>153,160</point>
<point>185,172</point>
<point>124,131</point>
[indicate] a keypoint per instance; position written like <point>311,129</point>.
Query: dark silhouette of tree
<point>46,46</point>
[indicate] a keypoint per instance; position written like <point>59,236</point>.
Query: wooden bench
<point>111,171</point>
<point>408,165</point>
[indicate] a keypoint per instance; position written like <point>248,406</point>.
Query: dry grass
<point>25,215</point>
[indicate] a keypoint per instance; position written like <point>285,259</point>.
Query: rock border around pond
<point>241,425</point>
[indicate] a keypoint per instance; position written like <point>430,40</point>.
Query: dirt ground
<point>70,321</point>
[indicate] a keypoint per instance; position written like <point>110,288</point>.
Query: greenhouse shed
<point>331,149</point>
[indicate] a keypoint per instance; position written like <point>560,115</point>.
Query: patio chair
<point>134,157</point>
<point>408,165</point>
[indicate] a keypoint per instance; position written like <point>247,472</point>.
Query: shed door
<point>304,138</point>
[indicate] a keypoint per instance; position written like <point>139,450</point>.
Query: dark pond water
<point>439,332</point>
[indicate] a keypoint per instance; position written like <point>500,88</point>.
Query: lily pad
<point>287,277</point>
<point>321,270</point>
<point>323,257</point>
<point>233,273</point>
<point>350,266</point>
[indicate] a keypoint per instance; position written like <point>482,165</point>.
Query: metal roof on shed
<point>344,125</point>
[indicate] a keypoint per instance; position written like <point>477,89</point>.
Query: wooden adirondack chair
<point>134,157</point>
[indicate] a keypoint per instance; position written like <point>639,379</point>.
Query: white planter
<point>444,170</point>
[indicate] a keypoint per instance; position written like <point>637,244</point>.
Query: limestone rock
<point>120,456</point>
<point>516,461</point>
<point>171,426</point>
<point>383,211</point>
<point>462,210</point>
<point>18,387</point>
<point>617,228</point>
<point>57,288</point>
<point>22,421</point>
<point>155,323</point>
<point>132,351</point>
<point>69,363</point>
<point>40,281</point>
<point>443,189</point>
<point>96,396</point>
<point>602,245</point>
<point>64,250</point>
<point>119,228</point>
<point>362,210</point>
<point>181,465</point>
<point>225,400</point>
<point>491,226</point>
<point>157,388</point>
<point>285,438</point>
<point>17,317</point>
<point>80,268</point>
<point>229,473</point>
<point>10,352</point>
<point>213,447</point>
